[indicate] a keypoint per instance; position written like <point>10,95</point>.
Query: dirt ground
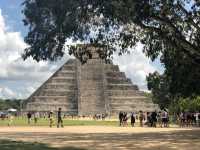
<point>106,138</point>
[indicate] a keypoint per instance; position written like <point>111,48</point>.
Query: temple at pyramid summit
<point>87,89</point>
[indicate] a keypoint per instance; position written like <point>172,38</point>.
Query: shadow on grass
<point>19,145</point>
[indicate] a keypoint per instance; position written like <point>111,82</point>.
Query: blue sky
<point>18,78</point>
<point>11,10</point>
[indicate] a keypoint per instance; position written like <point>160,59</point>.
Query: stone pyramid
<point>92,88</point>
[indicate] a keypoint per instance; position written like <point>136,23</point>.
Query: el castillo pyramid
<point>92,88</point>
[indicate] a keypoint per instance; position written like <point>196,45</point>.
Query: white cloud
<point>136,66</point>
<point>5,92</point>
<point>13,68</point>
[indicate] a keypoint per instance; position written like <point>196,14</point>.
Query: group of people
<point>50,117</point>
<point>100,116</point>
<point>187,119</point>
<point>123,118</point>
<point>150,119</point>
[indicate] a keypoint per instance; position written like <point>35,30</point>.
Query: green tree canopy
<point>181,78</point>
<point>161,25</point>
<point>160,89</point>
<point>168,29</point>
<point>10,103</point>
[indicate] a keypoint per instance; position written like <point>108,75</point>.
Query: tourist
<point>124,119</point>
<point>132,119</point>
<point>29,115</point>
<point>159,119</point>
<point>36,116</point>
<point>164,118</point>
<point>188,119</point>
<point>197,118</point>
<point>153,119</point>
<point>182,119</point>
<point>149,120</point>
<point>51,119</point>
<point>120,118</point>
<point>141,118</point>
<point>193,117</point>
<point>10,119</point>
<point>59,117</point>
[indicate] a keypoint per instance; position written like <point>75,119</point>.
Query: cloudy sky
<point>18,78</point>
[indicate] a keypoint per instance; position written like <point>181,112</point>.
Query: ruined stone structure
<point>92,88</point>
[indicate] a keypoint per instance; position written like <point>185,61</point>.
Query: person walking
<point>141,118</point>
<point>60,120</point>
<point>132,119</point>
<point>51,119</point>
<point>36,117</point>
<point>29,115</point>
<point>153,119</point>
<point>10,119</point>
<point>120,118</point>
<point>159,119</point>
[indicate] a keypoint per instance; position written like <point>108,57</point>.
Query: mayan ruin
<point>92,88</point>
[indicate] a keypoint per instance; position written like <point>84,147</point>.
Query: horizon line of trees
<point>6,104</point>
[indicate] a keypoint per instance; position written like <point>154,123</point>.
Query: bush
<point>186,104</point>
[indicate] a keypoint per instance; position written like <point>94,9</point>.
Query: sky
<point>18,78</point>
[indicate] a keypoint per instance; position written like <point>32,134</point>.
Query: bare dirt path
<point>106,138</point>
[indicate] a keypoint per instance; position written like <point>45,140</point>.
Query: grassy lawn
<point>67,122</point>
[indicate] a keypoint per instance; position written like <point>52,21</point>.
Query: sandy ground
<point>100,137</point>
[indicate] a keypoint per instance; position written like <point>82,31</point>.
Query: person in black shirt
<point>132,119</point>
<point>60,121</point>
<point>120,118</point>
<point>29,117</point>
<point>154,119</point>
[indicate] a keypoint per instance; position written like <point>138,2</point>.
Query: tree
<point>187,104</point>
<point>161,25</point>
<point>181,74</point>
<point>160,89</point>
<point>168,29</point>
<point>10,103</point>
<point>179,80</point>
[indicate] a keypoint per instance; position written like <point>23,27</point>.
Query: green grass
<point>66,122</point>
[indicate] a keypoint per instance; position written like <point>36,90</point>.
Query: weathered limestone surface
<point>92,88</point>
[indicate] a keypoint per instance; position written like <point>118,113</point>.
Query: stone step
<point>132,109</point>
<point>134,102</point>
<point>54,109</point>
<point>68,105</point>
<point>60,99</point>
<point>45,92</point>
<point>131,101</point>
<point>121,87</point>
<point>88,84</point>
<point>112,68</point>
<point>65,74</point>
<point>115,80</point>
<point>139,106</point>
<point>115,75</point>
<point>128,98</point>
<point>68,67</point>
<point>60,86</point>
<point>62,80</point>
<point>125,93</point>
